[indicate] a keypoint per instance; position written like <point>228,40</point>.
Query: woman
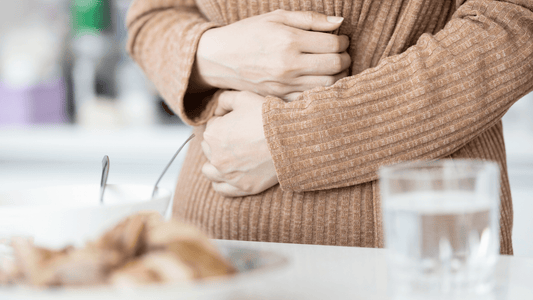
<point>398,80</point>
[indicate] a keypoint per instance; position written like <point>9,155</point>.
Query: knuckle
<point>224,169</point>
<point>309,17</point>
<point>217,162</point>
<point>279,72</point>
<point>221,97</point>
<point>276,72</point>
<point>246,188</point>
<point>216,187</point>
<point>287,40</point>
<point>276,15</point>
<point>205,169</point>
<point>275,88</point>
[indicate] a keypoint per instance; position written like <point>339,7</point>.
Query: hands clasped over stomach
<point>239,161</point>
<point>281,54</point>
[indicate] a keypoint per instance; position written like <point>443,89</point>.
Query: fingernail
<point>333,19</point>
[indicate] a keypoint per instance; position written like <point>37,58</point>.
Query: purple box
<point>38,104</point>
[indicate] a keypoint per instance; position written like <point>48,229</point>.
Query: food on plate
<point>139,250</point>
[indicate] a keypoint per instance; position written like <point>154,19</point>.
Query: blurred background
<point>64,61</point>
<point>69,94</point>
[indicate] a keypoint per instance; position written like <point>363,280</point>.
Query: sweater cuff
<point>281,163</point>
<point>193,108</point>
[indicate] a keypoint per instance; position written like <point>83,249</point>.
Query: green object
<point>90,15</point>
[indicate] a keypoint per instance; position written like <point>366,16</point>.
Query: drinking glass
<point>441,227</point>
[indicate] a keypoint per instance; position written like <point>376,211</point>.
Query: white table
<point>333,272</point>
<point>311,272</point>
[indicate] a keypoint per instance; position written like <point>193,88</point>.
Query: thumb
<point>226,102</point>
<point>307,20</point>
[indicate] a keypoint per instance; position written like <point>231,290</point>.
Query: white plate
<point>253,266</point>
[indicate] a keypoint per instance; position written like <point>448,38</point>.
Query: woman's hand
<point>239,163</point>
<point>281,53</point>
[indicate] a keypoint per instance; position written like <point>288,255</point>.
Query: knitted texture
<point>429,79</point>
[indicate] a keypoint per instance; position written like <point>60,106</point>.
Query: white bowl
<point>72,215</point>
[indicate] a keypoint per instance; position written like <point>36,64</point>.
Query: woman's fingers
<point>212,173</point>
<point>291,97</point>
<point>219,183</point>
<point>324,64</point>
<point>307,82</point>
<point>228,190</point>
<point>319,42</point>
<point>206,149</point>
<point>306,20</point>
<point>304,83</point>
<point>225,102</point>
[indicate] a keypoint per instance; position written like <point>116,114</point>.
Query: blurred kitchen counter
<point>146,149</point>
<point>66,154</point>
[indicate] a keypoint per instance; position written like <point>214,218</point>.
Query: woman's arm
<point>425,103</point>
<point>280,53</point>
<point>163,39</point>
<point>188,59</point>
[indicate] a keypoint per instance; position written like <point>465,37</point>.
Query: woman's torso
<point>348,216</point>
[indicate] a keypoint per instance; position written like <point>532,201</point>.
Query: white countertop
<point>333,272</point>
<point>310,272</point>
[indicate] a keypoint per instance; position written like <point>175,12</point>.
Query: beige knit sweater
<point>430,79</point>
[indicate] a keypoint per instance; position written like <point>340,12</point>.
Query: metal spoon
<point>168,165</point>
<point>103,180</point>
<point>105,171</point>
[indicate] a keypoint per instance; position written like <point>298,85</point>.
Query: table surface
<point>309,272</point>
<point>333,272</point>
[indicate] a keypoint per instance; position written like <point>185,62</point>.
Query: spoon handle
<point>103,180</point>
<point>170,163</point>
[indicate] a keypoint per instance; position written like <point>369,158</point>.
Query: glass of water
<point>441,225</point>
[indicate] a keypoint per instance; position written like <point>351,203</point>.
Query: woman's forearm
<point>425,103</point>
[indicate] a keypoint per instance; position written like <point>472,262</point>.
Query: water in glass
<point>441,230</point>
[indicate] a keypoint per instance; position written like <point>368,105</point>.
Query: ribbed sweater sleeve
<point>424,103</point>
<point>163,39</point>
